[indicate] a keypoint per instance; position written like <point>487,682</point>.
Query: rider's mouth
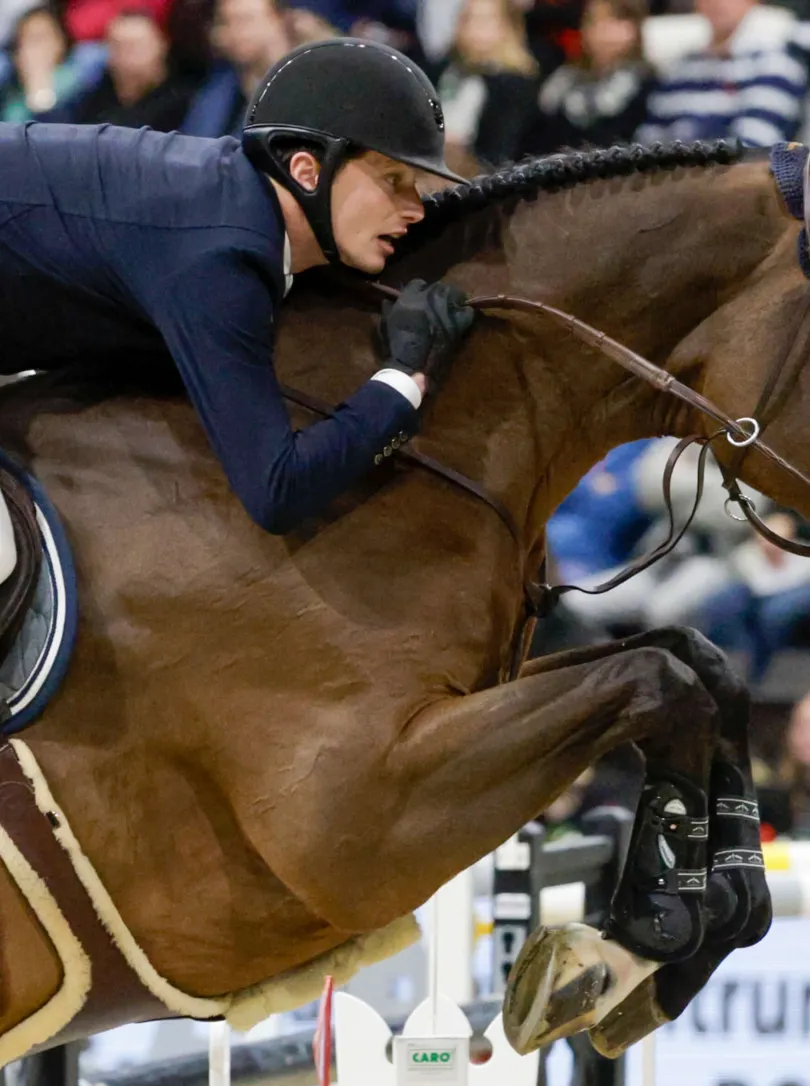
<point>392,239</point>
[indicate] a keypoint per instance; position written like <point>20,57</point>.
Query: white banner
<point>750,1026</point>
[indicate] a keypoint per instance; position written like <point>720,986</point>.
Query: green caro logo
<point>431,1060</point>
<point>437,1057</point>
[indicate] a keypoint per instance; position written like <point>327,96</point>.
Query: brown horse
<point>269,748</point>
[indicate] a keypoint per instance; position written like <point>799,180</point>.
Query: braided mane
<point>525,180</point>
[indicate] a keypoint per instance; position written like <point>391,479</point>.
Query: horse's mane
<point>526,179</point>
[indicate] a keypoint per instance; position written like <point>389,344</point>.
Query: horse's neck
<point>528,409</point>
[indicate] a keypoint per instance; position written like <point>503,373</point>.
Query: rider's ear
<point>304,168</point>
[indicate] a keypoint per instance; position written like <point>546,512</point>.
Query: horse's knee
<point>689,645</point>
<point>666,688</point>
<point>709,662</point>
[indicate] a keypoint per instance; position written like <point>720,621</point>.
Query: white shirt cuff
<point>404,384</point>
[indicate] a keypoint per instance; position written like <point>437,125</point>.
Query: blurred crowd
<point>748,596</point>
<point>515,77</point>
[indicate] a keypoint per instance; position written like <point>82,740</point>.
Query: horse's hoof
<point>566,980</point>
<point>629,1022</point>
<point>552,989</point>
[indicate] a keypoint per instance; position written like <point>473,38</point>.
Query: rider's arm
<point>220,331</point>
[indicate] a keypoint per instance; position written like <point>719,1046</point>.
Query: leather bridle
<point>743,433</point>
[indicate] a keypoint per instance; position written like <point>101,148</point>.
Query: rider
<point>117,243</point>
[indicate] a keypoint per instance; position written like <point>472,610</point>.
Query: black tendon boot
<point>657,911</point>
<point>738,901</point>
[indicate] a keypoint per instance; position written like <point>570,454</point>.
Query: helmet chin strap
<point>316,203</point>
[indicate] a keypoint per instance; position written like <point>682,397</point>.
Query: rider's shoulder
<point>143,178</point>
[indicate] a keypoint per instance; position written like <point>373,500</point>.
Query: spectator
<point>436,25</point>
<point>249,36</point>
<point>741,85</point>
<point>305,26</point>
<point>743,592</point>
<point>10,11</point>
<point>795,768</point>
<point>617,512</point>
<point>600,523</point>
<point>44,72</point>
<point>187,25</point>
<point>552,27</point>
<point>392,22</point>
<point>137,88</point>
<point>767,601</point>
<point>601,99</point>
<point>488,81</point>
<point>352,16</point>
<point>88,20</point>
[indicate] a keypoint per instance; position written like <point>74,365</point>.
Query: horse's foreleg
<point>657,910</point>
<point>569,979</point>
<point>483,765</point>
<point>738,900</point>
<point>737,886</point>
<point>738,903</point>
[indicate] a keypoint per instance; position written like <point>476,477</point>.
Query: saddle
<point>20,558</point>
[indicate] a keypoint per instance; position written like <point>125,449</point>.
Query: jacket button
<point>395,442</point>
<point>378,458</point>
<point>387,450</point>
<point>403,437</point>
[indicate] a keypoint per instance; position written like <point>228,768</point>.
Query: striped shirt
<point>756,96</point>
<point>800,49</point>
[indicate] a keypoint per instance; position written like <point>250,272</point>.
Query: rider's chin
<point>371,263</point>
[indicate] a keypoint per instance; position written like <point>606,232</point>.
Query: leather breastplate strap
<point>116,992</point>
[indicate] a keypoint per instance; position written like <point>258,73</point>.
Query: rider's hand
<point>423,325</point>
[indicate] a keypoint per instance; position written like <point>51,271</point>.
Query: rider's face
<point>374,199</point>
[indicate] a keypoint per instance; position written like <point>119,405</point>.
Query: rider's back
<point>96,222</point>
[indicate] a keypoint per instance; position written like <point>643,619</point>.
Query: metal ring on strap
<point>742,500</point>
<point>745,441</point>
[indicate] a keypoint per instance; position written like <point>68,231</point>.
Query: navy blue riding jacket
<point>117,242</point>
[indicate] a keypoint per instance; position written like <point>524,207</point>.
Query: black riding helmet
<point>342,94</point>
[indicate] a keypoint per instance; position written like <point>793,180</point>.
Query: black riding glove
<point>422,326</point>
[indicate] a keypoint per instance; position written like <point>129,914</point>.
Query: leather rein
<point>743,433</point>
